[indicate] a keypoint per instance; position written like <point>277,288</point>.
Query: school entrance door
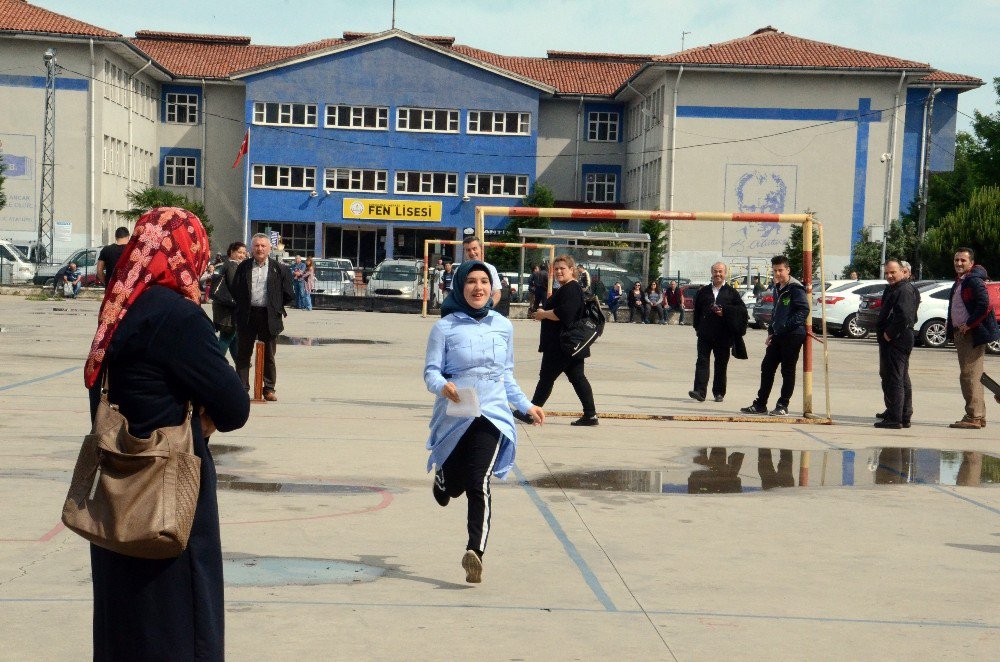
<point>364,246</point>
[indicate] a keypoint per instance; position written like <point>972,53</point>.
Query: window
<point>180,170</point>
<point>601,187</point>
<point>357,117</point>
<point>284,114</point>
<point>348,179</point>
<point>182,108</point>
<point>602,126</point>
<point>489,121</point>
<point>497,185</point>
<point>441,183</point>
<point>299,238</point>
<point>290,177</point>
<point>427,119</point>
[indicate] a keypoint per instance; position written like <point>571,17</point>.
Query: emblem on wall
<point>758,189</point>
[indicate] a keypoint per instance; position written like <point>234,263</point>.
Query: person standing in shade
<point>675,300</point>
<point>561,310</point>
<point>308,279</point>
<point>972,324</point>
<point>473,249</point>
<point>718,314</point>
<point>785,337</point>
<point>298,283</point>
<point>447,280</point>
<point>262,288</point>
<point>896,317</point>
<point>472,347</point>
<point>110,254</point>
<point>615,297</point>
<point>223,303</point>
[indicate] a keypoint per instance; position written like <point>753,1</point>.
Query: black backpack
<point>582,333</point>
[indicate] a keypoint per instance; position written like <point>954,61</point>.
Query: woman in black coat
<point>562,309</point>
<point>160,353</point>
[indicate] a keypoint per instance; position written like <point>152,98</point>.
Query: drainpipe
<point>889,169</point>
<point>204,139</point>
<point>93,150</point>
<point>576,163</point>
<point>673,159</point>
<point>131,147</point>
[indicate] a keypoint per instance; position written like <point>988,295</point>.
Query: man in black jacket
<point>717,310</point>
<point>262,287</point>
<point>972,324</point>
<point>896,317</point>
<point>785,337</point>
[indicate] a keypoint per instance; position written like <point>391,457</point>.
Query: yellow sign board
<point>392,210</point>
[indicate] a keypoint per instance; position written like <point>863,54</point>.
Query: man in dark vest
<point>895,343</point>
<point>262,287</point>
<point>720,319</point>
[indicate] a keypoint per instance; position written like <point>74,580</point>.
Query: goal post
<point>807,221</point>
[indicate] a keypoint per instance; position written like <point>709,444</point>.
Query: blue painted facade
<point>178,89</point>
<point>396,73</point>
<point>942,156</point>
<point>601,168</point>
<point>62,82</point>
<point>180,151</point>
<point>604,108</point>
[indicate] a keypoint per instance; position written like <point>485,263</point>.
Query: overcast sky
<point>961,36</point>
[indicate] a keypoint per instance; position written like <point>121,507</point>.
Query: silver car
<point>397,278</point>
<point>331,280</point>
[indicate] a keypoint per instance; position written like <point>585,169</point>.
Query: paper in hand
<point>467,406</point>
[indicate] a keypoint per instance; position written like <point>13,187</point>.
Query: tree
<point>901,244</point>
<point>793,251</point>
<point>3,196</point>
<point>657,231</point>
<point>508,259</point>
<point>152,197</point>
<point>985,152</point>
<point>976,225</point>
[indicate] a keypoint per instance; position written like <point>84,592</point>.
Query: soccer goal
<point>809,226</point>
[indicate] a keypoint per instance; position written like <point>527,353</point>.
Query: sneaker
<point>585,420</point>
<point>780,410</point>
<point>967,424</point>
<point>754,409</point>
<point>438,490</point>
<point>524,418</point>
<point>695,395</point>
<point>889,425</point>
<point>473,566</point>
<point>719,398</point>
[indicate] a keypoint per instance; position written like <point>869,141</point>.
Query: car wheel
<point>934,334</point>
<point>50,282</point>
<point>993,347</point>
<point>852,329</point>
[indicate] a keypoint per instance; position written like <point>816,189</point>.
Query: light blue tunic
<point>480,354</point>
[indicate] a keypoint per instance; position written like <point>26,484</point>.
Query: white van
<point>15,268</point>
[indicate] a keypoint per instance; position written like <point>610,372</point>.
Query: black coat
<point>898,313</point>
<point>982,318</point>
<point>791,308</point>
<point>222,315</point>
<point>162,355</point>
<point>567,303</point>
<point>280,293</point>
<point>730,327</point>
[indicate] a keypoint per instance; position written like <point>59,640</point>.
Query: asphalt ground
<point>335,548</point>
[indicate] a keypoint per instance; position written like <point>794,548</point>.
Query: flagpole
<point>246,193</point>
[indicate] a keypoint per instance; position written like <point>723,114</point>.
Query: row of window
<point>180,170</point>
<point>116,161</point>
<point>650,174</point>
<point>120,84</point>
<point>639,121</point>
<point>601,187</point>
<point>376,118</point>
<point>362,180</point>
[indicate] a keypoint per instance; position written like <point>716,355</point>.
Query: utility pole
<point>925,179</point>
<point>46,207</point>
<point>393,14</point>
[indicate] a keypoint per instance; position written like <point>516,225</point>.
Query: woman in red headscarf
<point>160,352</point>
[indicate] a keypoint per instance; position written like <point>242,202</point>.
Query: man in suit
<point>718,313</point>
<point>262,287</point>
<point>896,317</point>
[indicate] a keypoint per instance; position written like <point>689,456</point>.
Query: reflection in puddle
<point>226,449</point>
<point>312,342</point>
<point>723,471</point>
<point>237,484</point>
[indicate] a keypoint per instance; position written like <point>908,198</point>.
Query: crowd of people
<point>157,357</point>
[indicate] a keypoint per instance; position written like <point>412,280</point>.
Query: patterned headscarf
<point>169,247</point>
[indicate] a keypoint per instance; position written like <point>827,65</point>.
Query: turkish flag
<point>244,148</point>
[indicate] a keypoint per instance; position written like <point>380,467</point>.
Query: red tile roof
<point>613,57</point>
<point>435,39</point>
<point>769,48</point>
<point>19,16</point>
<point>948,77</point>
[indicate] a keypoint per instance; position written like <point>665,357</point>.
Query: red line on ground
<point>53,533</point>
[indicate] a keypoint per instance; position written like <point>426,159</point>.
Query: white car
<point>842,300</point>
<point>397,278</point>
<point>14,265</point>
<point>932,315</point>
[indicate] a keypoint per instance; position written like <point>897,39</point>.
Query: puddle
<point>743,470</point>
<point>310,342</point>
<point>234,483</point>
<point>240,570</point>
<point>219,450</point>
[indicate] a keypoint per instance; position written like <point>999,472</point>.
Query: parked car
<point>330,280</point>
<point>842,301</point>
<point>397,278</point>
<point>15,268</point>
<point>932,315</point>
<point>763,308</point>
<point>86,261</point>
<point>688,293</point>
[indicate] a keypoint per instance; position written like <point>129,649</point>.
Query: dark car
<point>763,309</point>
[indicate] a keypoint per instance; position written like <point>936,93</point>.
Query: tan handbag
<point>134,496</point>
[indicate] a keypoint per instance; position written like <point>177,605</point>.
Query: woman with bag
<point>564,307</point>
<point>223,304</point>
<point>158,352</point>
<point>470,368</point>
<point>308,283</point>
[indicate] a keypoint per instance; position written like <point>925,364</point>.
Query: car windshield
<point>18,253</point>
<point>843,286</point>
<point>396,272</point>
<point>329,274</point>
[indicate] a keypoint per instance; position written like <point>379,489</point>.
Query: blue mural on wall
<point>757,189</point>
